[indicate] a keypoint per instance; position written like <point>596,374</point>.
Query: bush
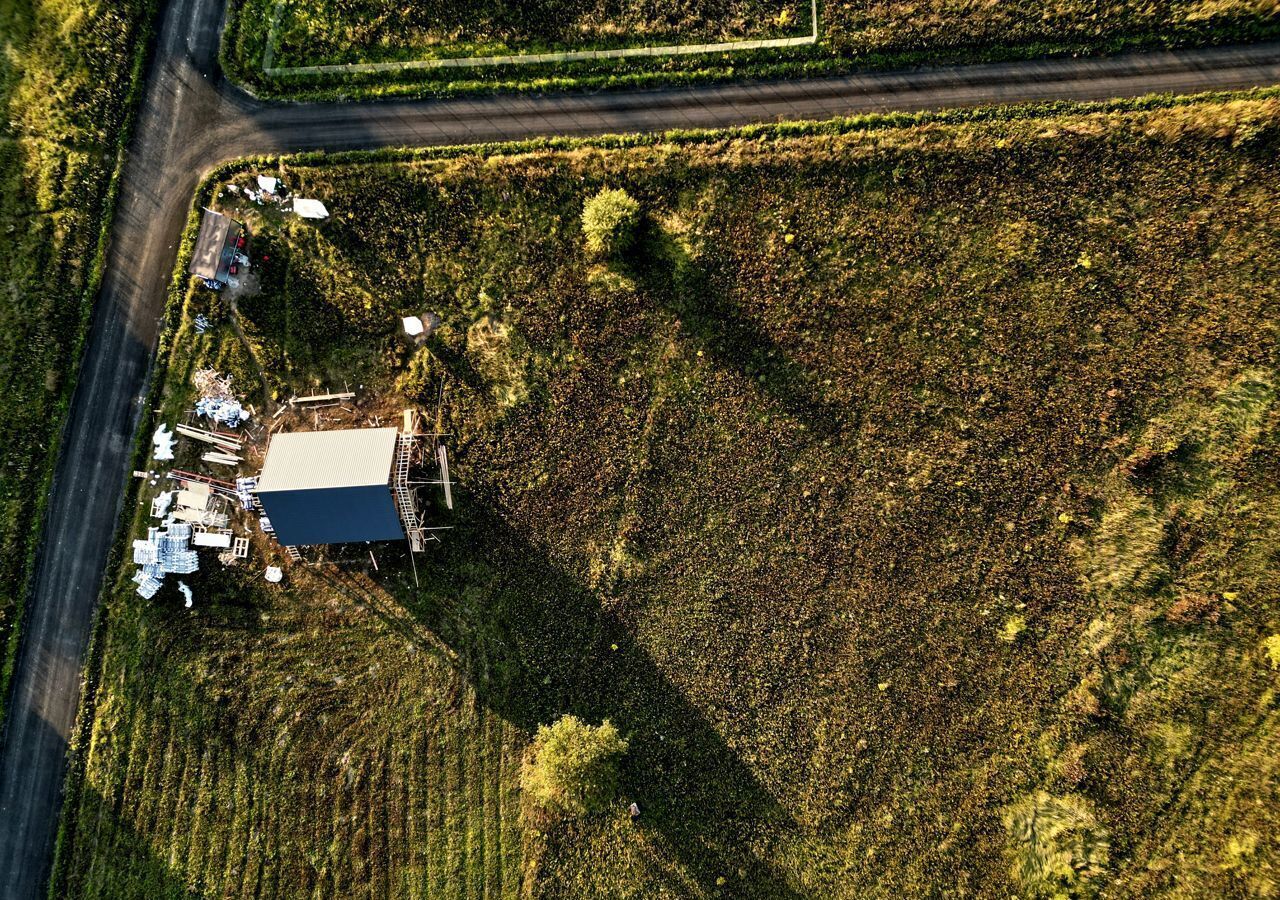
<point>1059,850</point>
<point>573,767</point>
<point>609,221</point>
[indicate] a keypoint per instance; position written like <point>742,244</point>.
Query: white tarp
<point>309,209</point>
<point>412,326</point>
<point>163,441</point>
<point>267,183</point>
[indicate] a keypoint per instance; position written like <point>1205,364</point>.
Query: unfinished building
<point>337,487</point>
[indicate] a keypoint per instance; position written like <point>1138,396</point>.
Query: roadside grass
<point>767,493</point>
<point>67,74</point>
<point>851,37</point>
<point>378,31</point>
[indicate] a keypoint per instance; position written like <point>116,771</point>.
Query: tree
<point>609,221</point>
<point>573,766</point>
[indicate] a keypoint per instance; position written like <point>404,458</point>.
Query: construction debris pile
<point>162,440</point>
<point>162,553</point>
<point>268,190</point>
<point>217,401</point>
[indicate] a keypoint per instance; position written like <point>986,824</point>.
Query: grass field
<point>65,75</point>
<point>363,32</point>
<point>906,497</point>
<point>852,35</point>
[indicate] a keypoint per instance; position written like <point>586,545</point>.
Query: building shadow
<point>536,644</point>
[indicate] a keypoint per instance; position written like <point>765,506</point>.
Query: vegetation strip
<point>328,50</point>
<point>480,62</point>
<point>62,153</point>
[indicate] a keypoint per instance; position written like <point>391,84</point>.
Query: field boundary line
<point>480,62</point>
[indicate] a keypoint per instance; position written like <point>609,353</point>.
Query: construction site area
<point>239,477</point>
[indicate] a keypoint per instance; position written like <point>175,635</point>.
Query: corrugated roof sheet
<point>211,257</point>
<point>307,460</point>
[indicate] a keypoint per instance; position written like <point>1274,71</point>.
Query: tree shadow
<point>537,644</point>
<point>122,865</point>
<point>711,318</point>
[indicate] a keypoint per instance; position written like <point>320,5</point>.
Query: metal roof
<point>308,460</point>
<point>336,515</point>
<point>211,257</point>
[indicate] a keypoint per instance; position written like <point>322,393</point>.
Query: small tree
<point>609,221</point>
<point>573,767</point>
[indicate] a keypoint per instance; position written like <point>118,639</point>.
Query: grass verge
<point>852,39</point>
<point>68,121</point>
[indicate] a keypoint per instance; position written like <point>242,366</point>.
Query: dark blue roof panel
<point>338,515</point>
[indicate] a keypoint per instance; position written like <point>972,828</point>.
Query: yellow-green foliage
<point>1126,549</point>
<point>329,31</point>
<point>744,488</point>
<point>609,221</point>
<point>1271,647</point>
<point>1058,847</point>
<point>573,766</point>
<point>1012,628</point>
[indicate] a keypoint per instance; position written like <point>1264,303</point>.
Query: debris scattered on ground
<point>163,443</point>
<point>274,574</point>
<point>201,323</point>
<point>218,539</point>
<point>217,399</point>
<point>162,553</point>
<point>421,327</point>
<point>213,384</point>
<point>160,504</point>
<point>228,443</point>
<point>186,594</point>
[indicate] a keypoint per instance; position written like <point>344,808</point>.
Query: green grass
<point>852,37</point>
<point>767,494</point>
<point>378,31</point>
<point>67,73</point>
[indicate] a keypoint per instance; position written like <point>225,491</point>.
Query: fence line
<point>473,62</point>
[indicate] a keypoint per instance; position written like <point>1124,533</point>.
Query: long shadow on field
<point>119,864</point>
<point>714,320</point>
<point>537,644</point>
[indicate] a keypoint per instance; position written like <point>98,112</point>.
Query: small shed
<point>216,247</point>
<point>331,487</point>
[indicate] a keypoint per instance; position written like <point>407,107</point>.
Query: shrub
<point>573,767</point>
<point>609,221</point>
<point>1012,628</point>
<point>1058,847</point>
<point>1271,646</point>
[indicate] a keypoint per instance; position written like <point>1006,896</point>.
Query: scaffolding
<point>404,494</point>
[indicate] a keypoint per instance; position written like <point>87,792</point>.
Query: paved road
<point>190,119</point>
